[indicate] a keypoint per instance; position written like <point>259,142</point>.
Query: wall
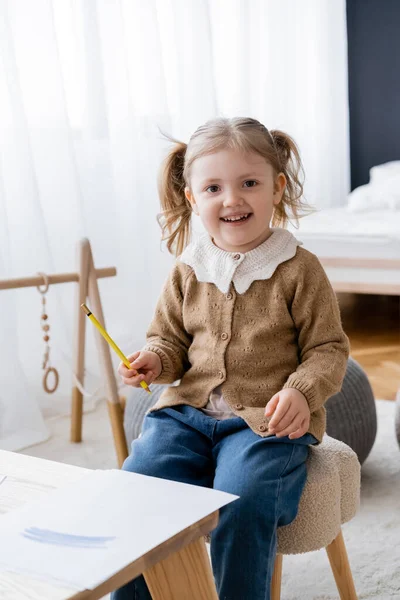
<point>374,84</point>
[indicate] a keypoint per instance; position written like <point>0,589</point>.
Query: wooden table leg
<point>183,575</point>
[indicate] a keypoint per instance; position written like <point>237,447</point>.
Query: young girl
<point>249,324</point>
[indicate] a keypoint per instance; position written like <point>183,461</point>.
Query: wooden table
<point>178,569</point>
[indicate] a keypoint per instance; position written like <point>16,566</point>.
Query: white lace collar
<point>213,265</point>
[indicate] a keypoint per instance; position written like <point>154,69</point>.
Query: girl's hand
<point>149,364</point>
<point>291,414</point>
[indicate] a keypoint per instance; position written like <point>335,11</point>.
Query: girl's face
<point>234,194</point>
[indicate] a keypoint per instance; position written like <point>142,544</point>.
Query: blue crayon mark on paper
<point>57,538</point>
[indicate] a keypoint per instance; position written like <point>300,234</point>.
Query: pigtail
<point>175,218</point>
<point>292,205</point>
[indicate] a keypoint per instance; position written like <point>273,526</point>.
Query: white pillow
<point>359,199</point>
<point>380,173</point>
<point>382,192</point>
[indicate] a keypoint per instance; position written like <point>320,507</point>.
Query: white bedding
<point>339,233</point>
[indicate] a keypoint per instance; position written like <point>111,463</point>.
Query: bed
<point>359,250</point>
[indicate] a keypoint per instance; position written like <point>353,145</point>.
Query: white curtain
<point>85,88</point>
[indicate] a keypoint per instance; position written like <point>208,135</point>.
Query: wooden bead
<point>46,327</point>
<point>44,317</point>
<point>46,338</point>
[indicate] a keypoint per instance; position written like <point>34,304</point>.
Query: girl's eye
<point>212,189</point>
<point>250,183</point>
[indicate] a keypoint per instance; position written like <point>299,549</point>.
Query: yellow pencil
<point>111,342</point>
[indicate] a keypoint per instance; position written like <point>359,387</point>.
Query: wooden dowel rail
<point>22,282</point>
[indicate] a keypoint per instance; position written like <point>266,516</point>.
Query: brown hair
<point>244,134</point>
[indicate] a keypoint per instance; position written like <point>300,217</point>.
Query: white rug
<point>372,537</point>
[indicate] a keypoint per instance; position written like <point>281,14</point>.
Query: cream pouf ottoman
<point>331,497</point>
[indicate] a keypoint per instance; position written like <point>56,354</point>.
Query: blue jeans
<point>183,444</point>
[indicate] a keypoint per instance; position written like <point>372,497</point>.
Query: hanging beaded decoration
<point>46,366</point>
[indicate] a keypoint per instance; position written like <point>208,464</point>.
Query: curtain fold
<point>86,90</point>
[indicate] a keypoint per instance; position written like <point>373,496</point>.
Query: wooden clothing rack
<point>87,290</point>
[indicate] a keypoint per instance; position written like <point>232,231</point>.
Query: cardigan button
<point>239,406</point>
<point>229,296</point>
<point>236,256</point>
<point>262,428</point>
<point>224,336</point>
<point>221,374</point>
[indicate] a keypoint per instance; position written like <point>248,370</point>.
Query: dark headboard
<point>373,30</point>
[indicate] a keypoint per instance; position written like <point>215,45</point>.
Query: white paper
<point>85,532</point>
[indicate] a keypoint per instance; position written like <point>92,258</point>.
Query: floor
<point>373,326</point>
<point>96,451</point>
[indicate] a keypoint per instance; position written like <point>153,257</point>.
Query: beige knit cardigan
<point>283,332</point>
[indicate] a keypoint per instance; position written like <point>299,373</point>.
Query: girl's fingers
<point>139,362</point>
<point>286,421</point>
<point>300,431</point>
<point>271,405</point>
<point>125,372</point>
<point>149,377</point>
<point>292,427</point>
<point>133,381</point>
<point>279,413</point>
